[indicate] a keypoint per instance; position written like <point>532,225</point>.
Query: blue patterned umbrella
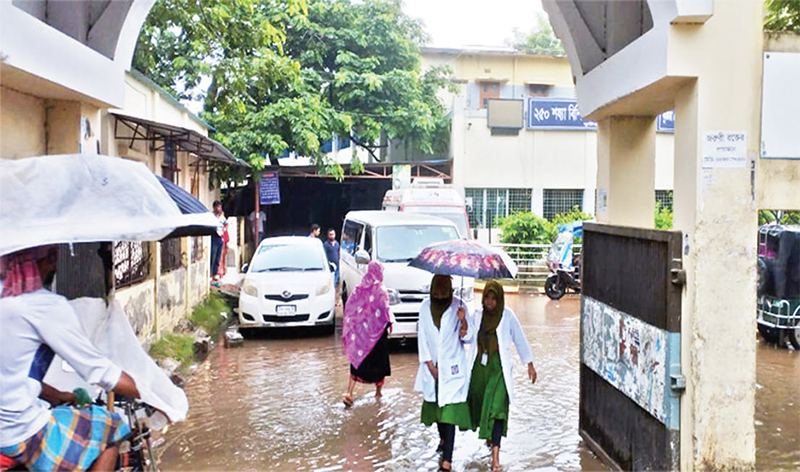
<point>467,259</point>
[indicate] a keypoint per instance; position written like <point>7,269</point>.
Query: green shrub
<point>663,217</point>
<point>207,314</point>
<point>175,346</point>
<point>524,228</point>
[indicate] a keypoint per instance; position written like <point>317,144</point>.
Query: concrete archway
<point>632,60</point>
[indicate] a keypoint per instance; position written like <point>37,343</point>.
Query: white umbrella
<point>87,198</point>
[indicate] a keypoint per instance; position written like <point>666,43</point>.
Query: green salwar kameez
<point>488,396</point>
<point>454,413</point>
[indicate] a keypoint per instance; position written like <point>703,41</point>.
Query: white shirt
<point>448,352</point>
<point>508,330</point>
<point>30,321</point>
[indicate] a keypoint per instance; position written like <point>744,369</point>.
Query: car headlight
<point>394,296</point>
<point>464,293</point>
<point>249,288</point>
<point>326,287</point>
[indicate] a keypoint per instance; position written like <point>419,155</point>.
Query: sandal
<point>348,401</point>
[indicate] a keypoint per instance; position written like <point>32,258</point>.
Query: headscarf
<point>21,271</point>
<point>366,315</point>
<point>440,283</point>
<point>487,335</point>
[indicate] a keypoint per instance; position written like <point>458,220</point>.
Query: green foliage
<point>541,40</point>
<point>173,346</point>
<point>782,15</point>
<point>781,217</point>
<point>207,314</point>
<point>663,217</point>
<point>527,228</point>
<point>287,75</point>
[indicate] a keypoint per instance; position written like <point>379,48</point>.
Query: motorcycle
<point>565,267</point>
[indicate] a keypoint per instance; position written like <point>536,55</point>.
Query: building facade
<point>518,141</point>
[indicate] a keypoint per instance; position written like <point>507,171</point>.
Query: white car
<point>289,282</point>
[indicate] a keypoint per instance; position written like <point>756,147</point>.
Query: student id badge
<point>484,358</point>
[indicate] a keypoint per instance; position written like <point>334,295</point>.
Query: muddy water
<point>275,404</point>
<point>777,416</point>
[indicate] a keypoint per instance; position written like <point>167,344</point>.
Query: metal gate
<point>630,346</point>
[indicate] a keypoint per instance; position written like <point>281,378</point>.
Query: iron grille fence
<point>500,201</point>
<point>131,262</point>
<point>170,255</point>
<point>558,201</point>
<point>531,260</point>
<point>665,198</point>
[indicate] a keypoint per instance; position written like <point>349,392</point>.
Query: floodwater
<point>777,414</point>
<point>275,404</point>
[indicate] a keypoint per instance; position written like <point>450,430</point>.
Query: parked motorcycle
<point>565,266</point>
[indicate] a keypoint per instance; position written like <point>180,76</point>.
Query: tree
<point>287,75</point>
<point>782,15</point>
<point>541,40</point>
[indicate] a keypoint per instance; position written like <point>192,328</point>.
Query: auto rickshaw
<point>778,312</point>
<point>565,266</point>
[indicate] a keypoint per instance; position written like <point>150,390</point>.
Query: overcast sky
<point>457,23</point>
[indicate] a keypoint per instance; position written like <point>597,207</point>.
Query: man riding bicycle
<point>37,324</point>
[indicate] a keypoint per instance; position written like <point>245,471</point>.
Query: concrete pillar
<point>63,127</point>
<point>537,202</point>
<point>715,209</point>
<point>626,149</point>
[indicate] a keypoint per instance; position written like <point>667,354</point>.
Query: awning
<point>186,139</point>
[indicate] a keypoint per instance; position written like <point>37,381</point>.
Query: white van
<point>394,238</point>
<point>432,197</point>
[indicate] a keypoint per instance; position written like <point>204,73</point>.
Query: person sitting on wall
<point>37,324</point>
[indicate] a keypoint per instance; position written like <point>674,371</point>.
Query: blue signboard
<point>556,113</point>
<point>665,123</point>
<point>269,189</point>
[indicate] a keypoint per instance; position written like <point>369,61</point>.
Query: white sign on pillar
<point>725,149</point>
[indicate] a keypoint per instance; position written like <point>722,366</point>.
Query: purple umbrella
<point>466,258</point>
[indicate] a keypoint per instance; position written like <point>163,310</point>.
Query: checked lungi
<point>72,440</point>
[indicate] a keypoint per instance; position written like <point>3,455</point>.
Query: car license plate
<point>286,310</point>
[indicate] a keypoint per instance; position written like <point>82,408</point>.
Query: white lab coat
<point>449,353</point>
<point>508,330</point>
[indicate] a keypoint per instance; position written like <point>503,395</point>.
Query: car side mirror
<point>362,257</point>
<point>245,266</point>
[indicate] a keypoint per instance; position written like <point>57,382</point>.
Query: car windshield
<point>403,243</point>
<point>452,213</point>
<point>287,257</point>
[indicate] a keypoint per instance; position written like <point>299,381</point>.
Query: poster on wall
<point>269,189</point>
<point>724,149</point>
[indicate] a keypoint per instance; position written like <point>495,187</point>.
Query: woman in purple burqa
<point>365,332</point>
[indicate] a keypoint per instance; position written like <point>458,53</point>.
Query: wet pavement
<point>275,404</point>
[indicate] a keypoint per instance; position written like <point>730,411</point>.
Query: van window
<point>403,243</point>
<point>368,239</point>
<point>351,236</point>
<point>455,214</point>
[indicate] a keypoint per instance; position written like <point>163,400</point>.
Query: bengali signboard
<point>556,113</point>
<point>665,122</point>
<point>269,189</point>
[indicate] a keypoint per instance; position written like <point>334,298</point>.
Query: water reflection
<point>275,404</point>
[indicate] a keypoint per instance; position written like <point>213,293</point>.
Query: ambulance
<point>431,196</point>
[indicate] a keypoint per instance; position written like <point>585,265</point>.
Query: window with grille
<point>559,201</point>
<point>169,169</point>
<point>170,254</point>
<point>197,248</point>
<point>131,262</point>
<point>496,203</point>
<point>665,198</point>
<point>488,91</point>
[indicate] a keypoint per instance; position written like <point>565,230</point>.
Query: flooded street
<point>275,404</point>
<point>777,408</point>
